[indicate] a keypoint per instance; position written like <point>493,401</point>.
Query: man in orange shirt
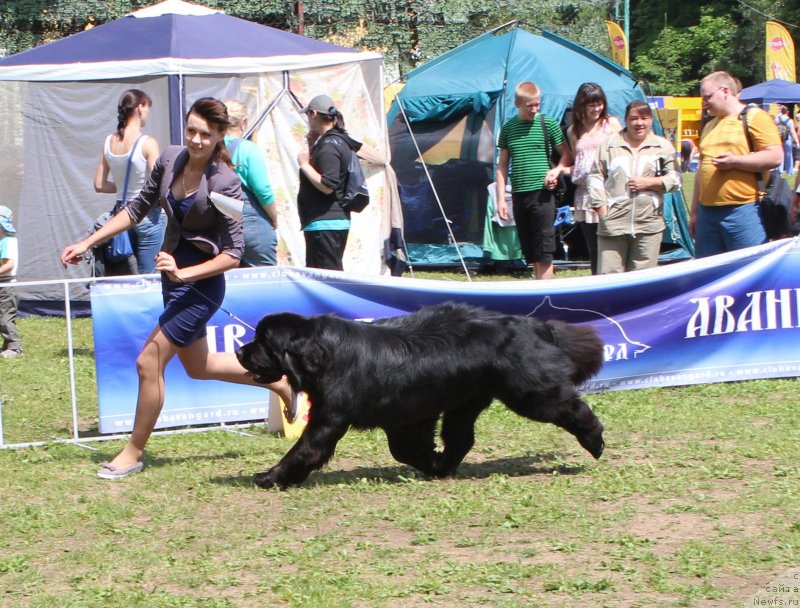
<point>724,216</point>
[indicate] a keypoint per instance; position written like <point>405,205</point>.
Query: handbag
<point>119,246</point>
<point>564,192</point>
<point>775,199</point>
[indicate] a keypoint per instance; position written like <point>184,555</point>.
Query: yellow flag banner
<point>619,44</point>
<point>780,61</point>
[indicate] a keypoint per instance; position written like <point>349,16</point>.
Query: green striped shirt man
<point>524,141</point>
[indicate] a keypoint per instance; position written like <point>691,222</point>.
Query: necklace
<point>187,191</point>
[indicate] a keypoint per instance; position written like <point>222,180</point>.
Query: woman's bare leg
<point>150,364</point>
<point>201,364</point>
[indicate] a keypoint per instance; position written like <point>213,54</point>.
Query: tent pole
<point>447,222</point>
<point>175,94</point>
<point>271,106</point>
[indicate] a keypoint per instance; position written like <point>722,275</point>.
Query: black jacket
<point>330,156</point>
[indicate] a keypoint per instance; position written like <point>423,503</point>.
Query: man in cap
<point>9,264</point>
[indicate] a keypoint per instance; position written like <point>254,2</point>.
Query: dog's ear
<point>303,357</point>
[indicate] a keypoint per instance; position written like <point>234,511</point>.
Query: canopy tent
<point>772,91</point>
<point>61,99</point>
<point>444,126</point>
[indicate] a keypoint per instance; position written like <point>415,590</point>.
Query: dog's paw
<point>267,479</point>
<point>593,443</point>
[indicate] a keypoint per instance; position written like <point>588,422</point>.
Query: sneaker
<point>10,354</point>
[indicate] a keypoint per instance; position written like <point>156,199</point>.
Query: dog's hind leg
<point>413,444</point>
<point>458,435</point>
<point>571,414</point>
<point>314,448</point>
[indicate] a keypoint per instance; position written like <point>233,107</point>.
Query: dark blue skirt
<point>186,311</point>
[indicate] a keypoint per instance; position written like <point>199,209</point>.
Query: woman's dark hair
<point>128,103</point>
<point>214,112</point>
<point>335,116</point>
<point>641,107</point>
<point>588,93</point>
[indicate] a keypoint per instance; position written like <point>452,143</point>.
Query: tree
<point>678,59</point>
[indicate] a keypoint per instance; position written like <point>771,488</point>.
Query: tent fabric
<point>451,101</point>
<point>58,115</point>
<point>445,107</point>
<point>495,64</point>
<point>772,91</point>
<point>176,44</point>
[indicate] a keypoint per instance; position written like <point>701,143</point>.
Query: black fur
<point>400,374</point>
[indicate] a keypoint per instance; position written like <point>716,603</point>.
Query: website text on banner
<point>724,318</point>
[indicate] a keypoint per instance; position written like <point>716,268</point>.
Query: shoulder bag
<point>775,199</point>
<point>119,247</point>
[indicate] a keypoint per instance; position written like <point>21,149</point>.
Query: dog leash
<point>212,302</point>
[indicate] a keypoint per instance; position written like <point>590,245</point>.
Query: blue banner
<point>729,317</point>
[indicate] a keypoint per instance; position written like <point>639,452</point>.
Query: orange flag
<point>619,44</point>
<point>780,53</point>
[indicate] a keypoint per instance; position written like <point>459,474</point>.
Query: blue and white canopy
<point>173,37</point>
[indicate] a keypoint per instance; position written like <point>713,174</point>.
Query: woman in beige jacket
<point>632,171</point>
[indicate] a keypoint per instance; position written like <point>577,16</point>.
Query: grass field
<point>695,503</point>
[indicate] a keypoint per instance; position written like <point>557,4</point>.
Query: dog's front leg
<point>314,448</point>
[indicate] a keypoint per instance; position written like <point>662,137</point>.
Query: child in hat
<point>9,264</point>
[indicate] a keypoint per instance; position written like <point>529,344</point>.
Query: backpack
<point>356,194</point>
<point>774,207</point>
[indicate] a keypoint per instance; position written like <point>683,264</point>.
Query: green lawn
<point>695,502</point>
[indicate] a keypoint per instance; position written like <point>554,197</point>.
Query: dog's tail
<point>582,345</point>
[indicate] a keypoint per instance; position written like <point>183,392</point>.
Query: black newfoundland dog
<point>400,374</point>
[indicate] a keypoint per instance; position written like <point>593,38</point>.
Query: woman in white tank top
<point>147,236</point>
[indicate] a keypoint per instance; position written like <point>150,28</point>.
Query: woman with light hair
<point>260,216</point>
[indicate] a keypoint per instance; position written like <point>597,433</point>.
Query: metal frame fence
<point>75,437</point>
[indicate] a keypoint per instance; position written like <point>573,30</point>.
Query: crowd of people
<point>621,171</point>
<point>620,174</point>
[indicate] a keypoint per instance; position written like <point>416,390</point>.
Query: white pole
<point>71,355</point>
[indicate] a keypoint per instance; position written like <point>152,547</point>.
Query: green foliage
<point>676,43</point>
<point>673,44</point>
<point>679,57</point>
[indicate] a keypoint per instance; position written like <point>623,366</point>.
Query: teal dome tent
<point>444,125</point>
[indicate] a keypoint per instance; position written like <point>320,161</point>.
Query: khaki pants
<point>626,252</point>
<point>8,319</point>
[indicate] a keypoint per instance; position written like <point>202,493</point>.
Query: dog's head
<point>284,344</point>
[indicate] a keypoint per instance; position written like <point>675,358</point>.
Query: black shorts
<point>325,248</point>
<point>534,214</point>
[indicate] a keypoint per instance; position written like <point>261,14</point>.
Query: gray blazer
<point>203,225</point>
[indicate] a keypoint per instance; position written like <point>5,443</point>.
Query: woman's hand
<point>165,262</point>
<point>640,184</point>
<point>73,254</point>
<point>302,157</point>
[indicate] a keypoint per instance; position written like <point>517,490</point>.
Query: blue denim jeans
<point>260,238</point>
<point>147,237</point>
<point>727,228</point>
